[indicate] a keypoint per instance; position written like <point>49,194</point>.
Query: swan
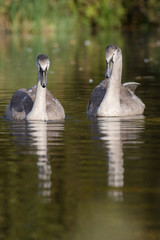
<point>35,103</point>
<point>111,98</point>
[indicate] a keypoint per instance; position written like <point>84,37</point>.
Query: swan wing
<point>21,104</point>
<point>131,85</point>
<point>54,108</point>
<point>96,98</point>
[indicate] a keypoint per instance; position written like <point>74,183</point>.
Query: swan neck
<point>38,111</point>
<point>40,99</point>
<point>110,106</point>
<point>115,79</point>
<point>113,91</point>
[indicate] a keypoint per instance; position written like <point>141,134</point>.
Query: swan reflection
<point>41,133</point>
<point>37,138</point>
<point>114,132</point>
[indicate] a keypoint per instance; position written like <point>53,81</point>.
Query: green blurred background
<point>39,15</point>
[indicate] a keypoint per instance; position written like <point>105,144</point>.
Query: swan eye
<point>38,67</point>
<point>113,58</point>
<point>47,67</point>
<point>40,70</point>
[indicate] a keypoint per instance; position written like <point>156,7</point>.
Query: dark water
<point>80,178</point>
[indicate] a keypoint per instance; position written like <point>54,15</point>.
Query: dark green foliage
<point>38,15</point>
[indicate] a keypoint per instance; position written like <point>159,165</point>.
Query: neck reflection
<point>115,131</point>
<point>42,133</point>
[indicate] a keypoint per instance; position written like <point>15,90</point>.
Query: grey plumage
<point>23,100</point>
<point>110,97</point>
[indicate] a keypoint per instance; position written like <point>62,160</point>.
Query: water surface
<point>80,178</point>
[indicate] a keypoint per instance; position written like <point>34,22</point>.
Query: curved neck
<point>38,111</point>
<point>40,100</point>
<point>113,91</point>
<point>110,105</point>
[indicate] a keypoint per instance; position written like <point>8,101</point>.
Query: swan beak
<point>109,69</point>
<point>44,79</point>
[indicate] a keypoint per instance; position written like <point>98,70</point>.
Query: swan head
<point>42,68</point>
<point>112,54</point>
